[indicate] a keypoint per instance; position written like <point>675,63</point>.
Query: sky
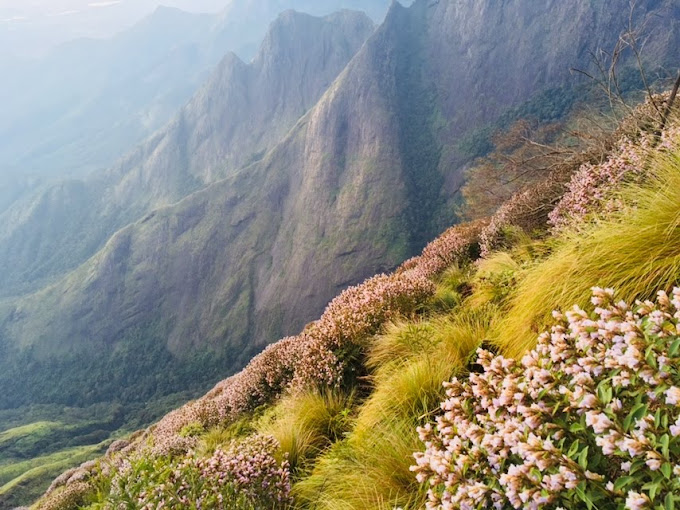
<point>37,8</point>
<point>33,27</point>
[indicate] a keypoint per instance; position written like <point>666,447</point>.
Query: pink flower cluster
<point>591,187</point>
<point>357,312</point>
<point>71,496</point>
<point>167,437</point>
<point>313,358</point>
<point>73,476</point>
<point>247,474</point>
<point>452,246</point>
<point>590,416</point>
<point>265,377</point>
<point>252,467</point>
<point>527,210</point>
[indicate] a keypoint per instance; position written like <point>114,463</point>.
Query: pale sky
<point>32,27</point>
<point>55,7</point>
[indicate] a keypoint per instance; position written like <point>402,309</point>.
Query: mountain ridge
<point>339,177</point>
<point>240,111</point>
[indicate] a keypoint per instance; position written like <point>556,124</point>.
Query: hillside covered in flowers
<point>530,359</point>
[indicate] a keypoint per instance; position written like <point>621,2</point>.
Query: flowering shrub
<point>117,446</point>
<point>589,418</point>
<point>527,209</point>
<point>73,477</point>
<point>71,496</point>
<point>266,376</point>
<point>591,187</point>
<point>313,358</point>
<point>355,313</point>
<point>168,438</point>
<point>452,246</point>
<point>246,476</point>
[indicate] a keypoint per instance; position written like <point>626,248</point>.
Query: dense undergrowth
<point>331,419</point>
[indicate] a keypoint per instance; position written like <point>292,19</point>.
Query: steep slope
<point>242,111</point>
<point>293,419</point>
<point>360,183</point>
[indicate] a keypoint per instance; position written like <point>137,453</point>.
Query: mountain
<point>79,108</point>
<point>241,112</point>
<point>360,183</point>
<point>33,29</point>
<point>418,388</point>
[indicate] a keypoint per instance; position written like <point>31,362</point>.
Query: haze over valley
<point>192,193</point>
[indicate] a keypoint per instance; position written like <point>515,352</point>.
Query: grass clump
<point>221,437</point>
<point>306,424</point>
<point>493,280</point>
<point>633,251</point>
<point>451,290</point>
<point>367,472</point>
<point>370,468</point>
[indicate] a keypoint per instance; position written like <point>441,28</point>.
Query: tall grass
<point>306,424</point>
<point>636,251</point>
<point>370,468</point>
<point>365,473</point>
<point>221,437</point>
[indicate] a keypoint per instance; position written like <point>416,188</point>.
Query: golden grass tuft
<point>367,473</point>
<point>637,252</point>
<point>493,279</point>
<point>222,437</point>
<point>306,424</point>
<point>369,470</point>
<point>400,342</point>
<point>449,290</point>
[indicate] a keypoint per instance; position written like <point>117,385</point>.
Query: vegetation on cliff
<point>521,361</point>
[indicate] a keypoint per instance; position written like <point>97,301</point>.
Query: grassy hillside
<point>582,417</point>
<point>190,291</point>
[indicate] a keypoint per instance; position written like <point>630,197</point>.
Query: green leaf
<point>664,441</point>
<point>651,360</point>
<point>637,412</point>
<point>573,449</point>
<point>666,470</point>
<point>604,393</point>
<point>583,458</point>
<point>674,348</point>
<point>622,482</point>
<point>584,496</point>
<point>669,502</point>
<point>576,427</point>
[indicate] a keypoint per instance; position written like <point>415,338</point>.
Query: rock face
<point>355,186</point>
<point>240,113</point>
<point>78,109</point>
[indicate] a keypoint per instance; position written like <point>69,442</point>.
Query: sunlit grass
<point>410,361</point>
<point>636,252</point>
<point>40,428</point>
<point>32,476</point>
<point>307,424</point>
